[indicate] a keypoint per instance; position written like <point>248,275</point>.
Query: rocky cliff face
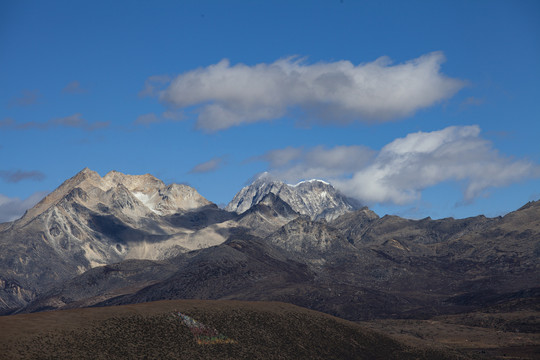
<point>314,198</point>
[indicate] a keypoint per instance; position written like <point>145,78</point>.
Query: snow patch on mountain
<point>309,181</point>
<point>145,199</point>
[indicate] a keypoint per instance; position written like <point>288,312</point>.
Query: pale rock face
<point>314,198</point>
<point>178,197</point>
<point>91,221</point>
<point>155,195</point>
<point>125,191</point>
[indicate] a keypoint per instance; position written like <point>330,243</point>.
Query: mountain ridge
<point>90,221</point>
<point>98,244</point>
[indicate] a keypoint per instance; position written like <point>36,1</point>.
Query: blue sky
<point>417,108</point>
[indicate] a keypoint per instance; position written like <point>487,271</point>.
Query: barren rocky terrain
<point>469,286</point>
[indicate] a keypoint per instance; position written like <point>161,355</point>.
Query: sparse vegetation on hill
<point>261,330</point>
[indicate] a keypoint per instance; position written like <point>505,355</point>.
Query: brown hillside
<point>261,330</point>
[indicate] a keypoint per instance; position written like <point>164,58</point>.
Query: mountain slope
<point>392,268</point>
<point>410,269</point>
<point>91,220</point>
<point>243,267</point>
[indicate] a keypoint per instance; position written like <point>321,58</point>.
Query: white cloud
<point>294,164</point>
<point>225,95</point>
<point>210,165</point>
<point>13,208</point>
<point>406,166</point>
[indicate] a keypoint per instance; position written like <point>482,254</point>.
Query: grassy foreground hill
<point>260,330</point>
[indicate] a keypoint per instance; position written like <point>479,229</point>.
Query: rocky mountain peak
<point>273,203</point>
<point>314,198</point>
<point>135,183</point>
<point>149,194</point>
<point>86,172</point>
<point>84,176</point>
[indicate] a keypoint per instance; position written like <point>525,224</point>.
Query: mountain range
<point>123,239</point>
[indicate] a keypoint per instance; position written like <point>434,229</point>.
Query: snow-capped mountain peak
<point>316,198</point>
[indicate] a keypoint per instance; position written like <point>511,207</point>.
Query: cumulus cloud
<point>208,166</point>
<point>13,208</point>
<point>293,164</point>
<point>15,176</point>
<point>403,168</point>
<point>226,95</point>
<point>72,121</point>
<point>74,87</point>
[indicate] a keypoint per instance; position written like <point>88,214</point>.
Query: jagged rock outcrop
<point>314,198</point>
<point>268,215</point>
<point>310,240</point>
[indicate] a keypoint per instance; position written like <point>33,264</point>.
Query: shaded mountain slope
<point>244,267</point>
<point>418,269</point>
<point>101,283</point>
